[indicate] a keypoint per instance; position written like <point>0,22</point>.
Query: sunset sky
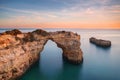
<point>86,14</point>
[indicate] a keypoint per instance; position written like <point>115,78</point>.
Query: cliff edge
<point>18,51</point>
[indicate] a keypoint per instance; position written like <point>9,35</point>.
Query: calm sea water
<point>98,64</point>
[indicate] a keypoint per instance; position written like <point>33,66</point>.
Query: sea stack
<point>18,51</point>
<point>100,42</point>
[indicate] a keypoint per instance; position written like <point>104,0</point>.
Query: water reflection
<point>67,72</point>
<point>70,72</point>
<point>99,48</point>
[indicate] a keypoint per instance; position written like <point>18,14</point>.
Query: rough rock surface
<point>18,51</point>
<point>100,42</point>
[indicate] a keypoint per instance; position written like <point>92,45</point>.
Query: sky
<point>85,14</point>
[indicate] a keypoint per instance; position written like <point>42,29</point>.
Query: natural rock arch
<point>18,51</point>
<point>50,60</point>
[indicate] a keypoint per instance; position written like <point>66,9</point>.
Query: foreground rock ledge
<point>18,51</point>
<point>100,42</point>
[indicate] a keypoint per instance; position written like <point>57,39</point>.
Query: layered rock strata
<point>100,42</point>
<point>18,51</point>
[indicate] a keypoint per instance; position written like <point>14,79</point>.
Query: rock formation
<point>18,51</point>
<point>100,42</point>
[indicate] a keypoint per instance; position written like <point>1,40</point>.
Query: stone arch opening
<point>50,59</point>
<point>53,68</point>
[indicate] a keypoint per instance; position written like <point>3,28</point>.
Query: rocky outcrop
<point>100,42</point>
<point>69,42</point>
<point>18,51</point>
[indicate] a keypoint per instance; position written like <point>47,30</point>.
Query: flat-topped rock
<point>18,51</point>
<point>100,42</point>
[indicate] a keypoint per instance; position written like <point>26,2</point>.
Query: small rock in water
<point>100,42</point>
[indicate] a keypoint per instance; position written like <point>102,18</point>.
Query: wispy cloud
<point>114,9</point>
<point>30,12</point>
<point>67,11</point>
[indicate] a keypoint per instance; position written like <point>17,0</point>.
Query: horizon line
<point>60,28</point>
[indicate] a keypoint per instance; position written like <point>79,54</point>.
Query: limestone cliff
<point>18,51</point>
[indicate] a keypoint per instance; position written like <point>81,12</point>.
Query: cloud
<point>114,9</point>
<point>80,11</point>
<point>30,13</point>
<point>21,11</point>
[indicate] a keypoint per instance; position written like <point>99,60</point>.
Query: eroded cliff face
<point>18,51</point>
<point>70,44</point>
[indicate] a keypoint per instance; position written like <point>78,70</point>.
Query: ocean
<point>98,63</point>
